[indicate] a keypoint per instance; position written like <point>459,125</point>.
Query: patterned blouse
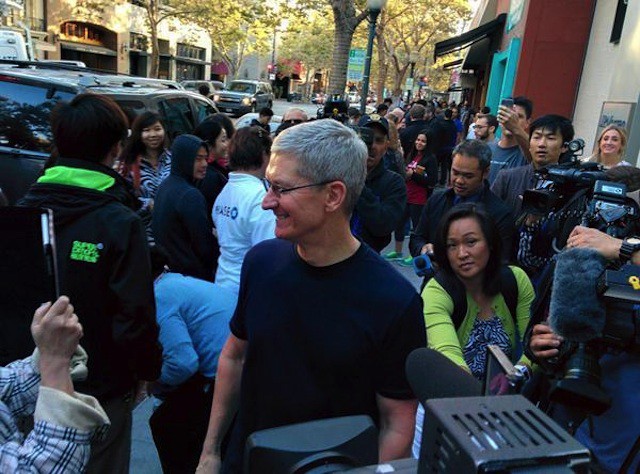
<point>485,332</point>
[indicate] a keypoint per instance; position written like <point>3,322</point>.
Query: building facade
<point>114,36</point>
<point>577,58</point>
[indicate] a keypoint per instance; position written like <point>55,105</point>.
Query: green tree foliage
<point>410,30</point>
<point>309,40</point>
<point>237,28</point>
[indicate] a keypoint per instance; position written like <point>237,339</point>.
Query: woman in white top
<point>237,213</point>
<point>611,146</point>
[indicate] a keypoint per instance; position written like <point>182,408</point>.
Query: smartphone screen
<point>507,102</point>
<point>499,373</point>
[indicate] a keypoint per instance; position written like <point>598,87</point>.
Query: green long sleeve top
<point>441,333</point>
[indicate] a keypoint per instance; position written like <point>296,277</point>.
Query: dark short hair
<point>416,112</point>
<point>485,110</point>
<point>492,120</point>
<point>88,127</point>
<point>448,114</point>
<point>382,107</point>
<point>489,228</point>
<point>248,147</point>
<point>204,89</point>
<point>553,123</point>
<point>525,103</point>
<point>475,149</point>
<point>265,112</point>
<point>388,100</point>
<point>224,121</point>
<point>134,146</point>
<point>208,131</point>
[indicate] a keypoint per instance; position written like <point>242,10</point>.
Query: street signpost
<point>355,70</point>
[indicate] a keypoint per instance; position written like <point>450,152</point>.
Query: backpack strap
<point>457,293</point>
<point>509,290</point>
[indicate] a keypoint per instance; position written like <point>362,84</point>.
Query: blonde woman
<point>611,147</point>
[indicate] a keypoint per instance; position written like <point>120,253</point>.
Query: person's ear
<point>336,195</point>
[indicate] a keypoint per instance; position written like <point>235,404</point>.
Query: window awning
<point>183,59</point>
<point>470,37</point>
<point>88,48</point>
<point>220,68</point>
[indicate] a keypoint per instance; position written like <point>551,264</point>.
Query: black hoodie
<point>104,268</point>
<point>180,222</point>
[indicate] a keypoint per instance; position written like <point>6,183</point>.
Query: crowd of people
<point>238,279</point>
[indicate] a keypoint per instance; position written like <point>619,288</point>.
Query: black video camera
<point>336,108</point>
<point>580,386</point>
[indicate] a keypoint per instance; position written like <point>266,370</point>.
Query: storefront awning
<point>191,61</point>
<point>470,37</point>
<point>220,68</point>
<point>88,48</point>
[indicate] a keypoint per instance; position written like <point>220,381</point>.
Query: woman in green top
<point>468,248</point>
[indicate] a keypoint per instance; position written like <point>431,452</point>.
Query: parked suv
<point>28,93</point>
<point>243,96</point>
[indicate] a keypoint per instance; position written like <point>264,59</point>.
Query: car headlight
<point>216,97</point>
<point>246,101</point>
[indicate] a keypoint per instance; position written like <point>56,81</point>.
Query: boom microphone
<point>576,312</point>
<point>627,175</point>
<point>431,375</point>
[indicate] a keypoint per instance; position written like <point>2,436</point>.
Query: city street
<point>280,106</point>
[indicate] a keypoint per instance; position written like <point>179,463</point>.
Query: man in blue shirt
<point>193,316</point>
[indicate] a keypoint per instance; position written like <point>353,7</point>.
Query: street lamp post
<point>413,59</point>
<point>374,7</point>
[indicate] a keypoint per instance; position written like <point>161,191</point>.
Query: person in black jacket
<point>215,179</point>
<point>469,171</point>
<point>180,221</point>
<point>103,263</point>
<point>384,196</point>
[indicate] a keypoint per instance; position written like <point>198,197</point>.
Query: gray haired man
<point>310,339</point>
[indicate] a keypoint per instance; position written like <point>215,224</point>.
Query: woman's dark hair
<point>248,147</point>
<point>223,120</point>
<point>428,150</point>
<point>134,146</point>
<point>88,127</point>
<point>491,282</point>
<point>209,131</point>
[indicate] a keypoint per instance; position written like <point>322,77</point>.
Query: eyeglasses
<point>279,190</point>
<point>294,121</point>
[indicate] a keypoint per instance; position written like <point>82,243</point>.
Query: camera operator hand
<point>544,343</point>
<point>586,237</point>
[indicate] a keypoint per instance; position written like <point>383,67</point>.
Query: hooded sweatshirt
<point>180,222</point>
<point>104,268</point>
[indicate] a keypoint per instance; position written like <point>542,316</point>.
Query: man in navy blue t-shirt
<point>323,324</point>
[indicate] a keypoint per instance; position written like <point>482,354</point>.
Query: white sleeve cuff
<point>81,412</point>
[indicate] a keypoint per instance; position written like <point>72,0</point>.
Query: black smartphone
<point>507,102</point>
<point>28,275</point>
<point>501,377</point>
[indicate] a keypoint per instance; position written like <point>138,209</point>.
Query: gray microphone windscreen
<point>576,312</point>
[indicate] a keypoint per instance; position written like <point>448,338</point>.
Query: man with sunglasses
<point>293,116</point>
<point>384,197</point>
<point>323,324</point>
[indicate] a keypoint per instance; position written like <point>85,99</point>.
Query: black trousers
<point>179,425</point>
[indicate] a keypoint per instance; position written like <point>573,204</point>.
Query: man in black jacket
<point>384,196</point>
<point>469,170</point>
<point>103,263</point>
<point>180,222</point>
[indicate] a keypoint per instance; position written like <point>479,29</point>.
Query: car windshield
<point>243,87</point>
<point>24,114</point>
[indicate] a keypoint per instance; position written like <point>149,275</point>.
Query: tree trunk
<point>345,22</point>
<point>152,12</point>
<point>342,43</point>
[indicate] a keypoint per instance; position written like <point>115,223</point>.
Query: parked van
<point>12,45</point>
